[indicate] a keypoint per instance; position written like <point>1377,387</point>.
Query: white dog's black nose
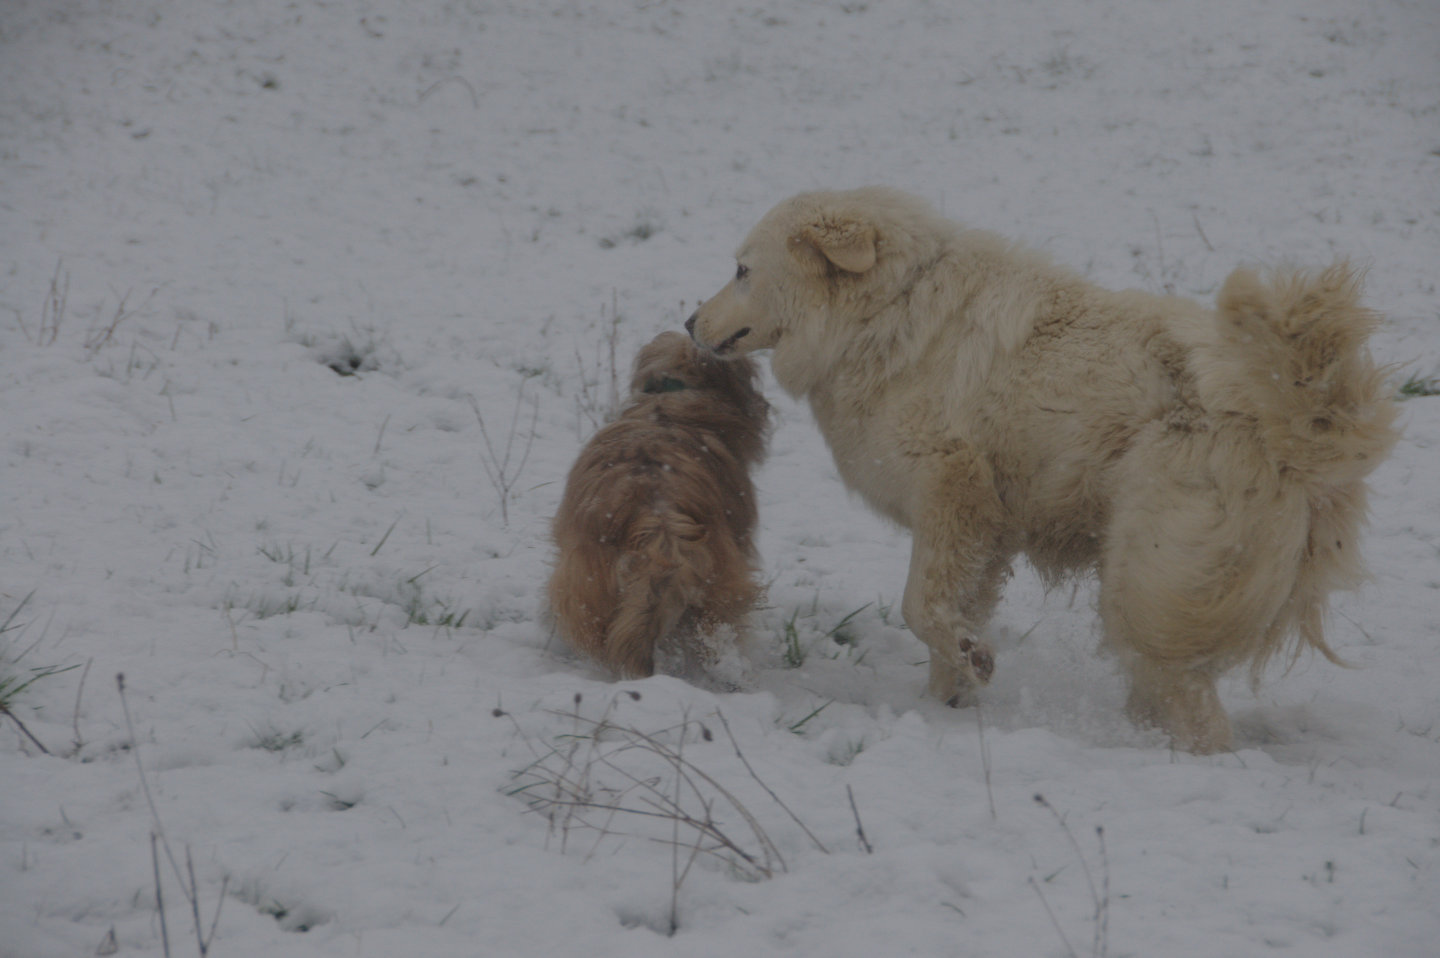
<point>690,325</point>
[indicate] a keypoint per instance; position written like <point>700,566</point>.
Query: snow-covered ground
<point>322,590</point>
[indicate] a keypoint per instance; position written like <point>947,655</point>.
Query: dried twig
<point>79,742</point>
<point>588,400</point>
<point>159,894</point>
<point>1203,238</point>
<point>1167,284</point>
<point>1100,942</point>
<point>381,436</point>
<point>1070,836</point>
<point>202,940</point>
<point>474,98</point>
<point>98,338</point>
<point>1069,949</point>
<point>985,759</point>
<point>562,784</point>
<point>189,886</point>
<point>768,790</point>
<point>5,711</point>
<point>859,828</point>
<point>6,626</point>
<point>52,313</point>
<point>675,876</point>
<point>1102,918</point>
<point>694,777</point>
<point>497,465</point>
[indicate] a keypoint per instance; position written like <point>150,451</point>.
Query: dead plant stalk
<point>189,885</point>
<point>588,781</point>
<point>498,464</point>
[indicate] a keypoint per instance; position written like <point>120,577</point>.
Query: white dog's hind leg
<point>1180,701</point>
<point>1200,558</point>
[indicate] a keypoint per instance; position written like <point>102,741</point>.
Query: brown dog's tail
<point>1292,354</point>
<point>660,576</point>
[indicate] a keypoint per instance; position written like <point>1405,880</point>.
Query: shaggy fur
<point>1209,464</point>
<point>654,530</point>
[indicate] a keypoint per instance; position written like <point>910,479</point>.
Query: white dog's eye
<point>741,271</point>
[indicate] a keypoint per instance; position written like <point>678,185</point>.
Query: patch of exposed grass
<point>1417,386</point>
<point>15,680</point>
<point>793,654</point>
<point>272,739</point>
<point>795,648</point>
<point>13,684</point>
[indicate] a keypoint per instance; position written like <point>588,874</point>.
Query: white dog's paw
<point>955,682</point>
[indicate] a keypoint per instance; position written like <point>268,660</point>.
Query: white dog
<point>1208,463</point>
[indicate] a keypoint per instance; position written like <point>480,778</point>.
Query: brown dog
<point>654,530</point>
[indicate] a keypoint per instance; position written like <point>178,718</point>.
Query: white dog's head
<point>817,259</point>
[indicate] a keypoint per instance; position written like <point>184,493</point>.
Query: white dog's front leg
<point>956,571</point>
<point>935,594</point>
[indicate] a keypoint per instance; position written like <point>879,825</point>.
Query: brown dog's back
<point>654,532</point>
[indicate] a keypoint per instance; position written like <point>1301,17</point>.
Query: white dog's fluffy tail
<point>1292,354</point>
<point>1291,357</point>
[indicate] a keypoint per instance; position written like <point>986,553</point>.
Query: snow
<point>329,628</point>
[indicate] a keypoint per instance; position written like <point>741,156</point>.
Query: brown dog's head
<point>671,362</point>
<point>671,368</point>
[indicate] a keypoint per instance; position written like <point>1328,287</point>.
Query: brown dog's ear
<point>846,242</point>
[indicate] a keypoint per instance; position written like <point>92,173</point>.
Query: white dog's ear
<point>848,243</point>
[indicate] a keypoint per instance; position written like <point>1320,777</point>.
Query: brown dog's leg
<point>957,566</point>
